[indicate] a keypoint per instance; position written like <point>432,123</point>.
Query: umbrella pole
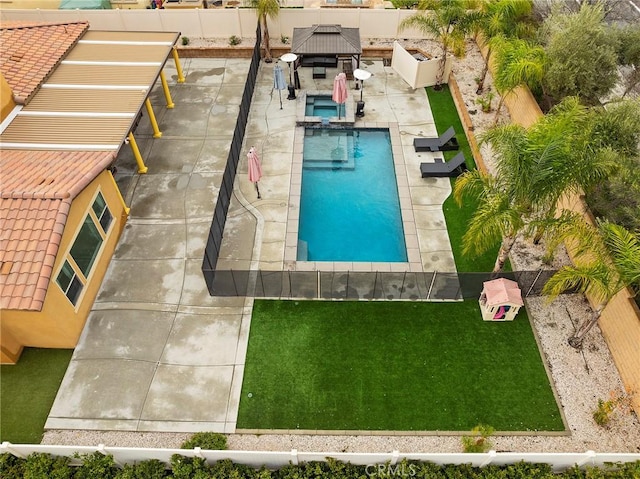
<point>257,190</point>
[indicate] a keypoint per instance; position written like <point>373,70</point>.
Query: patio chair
<point>445,142</point>
<point>454,167</point>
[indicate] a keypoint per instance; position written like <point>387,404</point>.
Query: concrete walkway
<point>158,353</point>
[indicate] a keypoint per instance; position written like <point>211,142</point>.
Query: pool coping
<point>303,120</point>
<point>413,263</point>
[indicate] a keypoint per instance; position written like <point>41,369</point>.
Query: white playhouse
<point>500,300</point>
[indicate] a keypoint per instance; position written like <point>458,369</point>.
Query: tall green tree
<point>266,9</point>
<point>508,18</point>
<point>607,261</point>
<point>518,62</point>
<point>581,54</point>
<point>448,22</point>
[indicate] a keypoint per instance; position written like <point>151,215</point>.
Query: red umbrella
<point>340,90</point>
<point>255,169</point>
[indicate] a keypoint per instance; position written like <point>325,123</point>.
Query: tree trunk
<point>631,84</point>
<point>576,340</point>
<point>483,75</point>
<point>495,118</point>
<point>537,237</point>
<point>441,67</point>
<point>503,255</point>
<point>265,40</point>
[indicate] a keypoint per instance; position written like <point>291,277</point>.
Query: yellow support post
<point>142,168</point>
<point>124,205</point>
<point>176,60</point>
<point>167,93</point>
<point>152,118</point>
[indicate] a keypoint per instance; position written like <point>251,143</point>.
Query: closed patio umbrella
<point>279,82</point>
<point>255,169</point>
<point>340,90</point>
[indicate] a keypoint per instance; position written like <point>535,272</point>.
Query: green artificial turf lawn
<point>445,115</point>
<point>392,366</point>
<point>27,391</point>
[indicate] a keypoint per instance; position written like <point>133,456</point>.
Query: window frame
<point>104,234</point>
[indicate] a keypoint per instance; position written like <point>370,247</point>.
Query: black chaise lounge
<point>454,167</point>
<point>445,142</point>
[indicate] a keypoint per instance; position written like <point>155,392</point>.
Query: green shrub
<point>206,440</point>
<point>185,40</point>
<point>284,39</point>
<point>45,466</point>
<point>188,468</point>
<point>11,467</point>
<point>96,466</point>
<point>485,101</point>
<point>151,469</point>
<point>99,466</point>
<point>479,441</point>
<point>233,40</point>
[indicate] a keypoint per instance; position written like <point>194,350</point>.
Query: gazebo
<point>500,300</point>
<point>322,46</point>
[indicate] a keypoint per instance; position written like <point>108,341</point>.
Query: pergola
<point>324,45</point>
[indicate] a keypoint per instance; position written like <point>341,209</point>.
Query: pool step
<point>332,152</point>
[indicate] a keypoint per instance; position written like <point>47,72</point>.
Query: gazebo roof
<point>326,40</point>
<point>502,291</point>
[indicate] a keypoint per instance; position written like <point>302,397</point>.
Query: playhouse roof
<point>502,291</point>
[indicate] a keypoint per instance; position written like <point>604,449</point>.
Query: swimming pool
<point>322,106</point>
<point>349,205</point>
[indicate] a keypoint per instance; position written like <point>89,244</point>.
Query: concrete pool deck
<point>157,352</point>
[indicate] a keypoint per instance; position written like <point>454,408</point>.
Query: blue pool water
<point>322,106</point>
<point>349,205</point>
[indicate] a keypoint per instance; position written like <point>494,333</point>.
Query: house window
<point>86,246</point>
<point>102,212</point>
<point>69,282</point>
<point>85,249</point>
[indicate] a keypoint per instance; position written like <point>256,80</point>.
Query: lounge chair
<point>454,167</point>
<point>445,142</point>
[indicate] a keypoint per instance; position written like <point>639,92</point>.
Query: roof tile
<point>30,52</point>
<point>33,215</point>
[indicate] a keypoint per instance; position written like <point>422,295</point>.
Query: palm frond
<point>594,279</point>
<point>494,219</point>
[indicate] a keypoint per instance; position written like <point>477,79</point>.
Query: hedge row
<point>99,466</point>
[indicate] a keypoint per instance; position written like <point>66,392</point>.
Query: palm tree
<point>497,218</point>
<point>518,63</point>
<point>502,18</point>
<point>607,261</point>
<point>264,9</point>
<point>448,22</point>
<point>534,168</point>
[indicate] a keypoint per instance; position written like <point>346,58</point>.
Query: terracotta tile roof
<point>35,196</point>
<point>29,53</point>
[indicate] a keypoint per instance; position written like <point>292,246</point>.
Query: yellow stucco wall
<point>6,98</point>
<point>59,324</point>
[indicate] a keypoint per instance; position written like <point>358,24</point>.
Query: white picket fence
<point>276,459</point>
